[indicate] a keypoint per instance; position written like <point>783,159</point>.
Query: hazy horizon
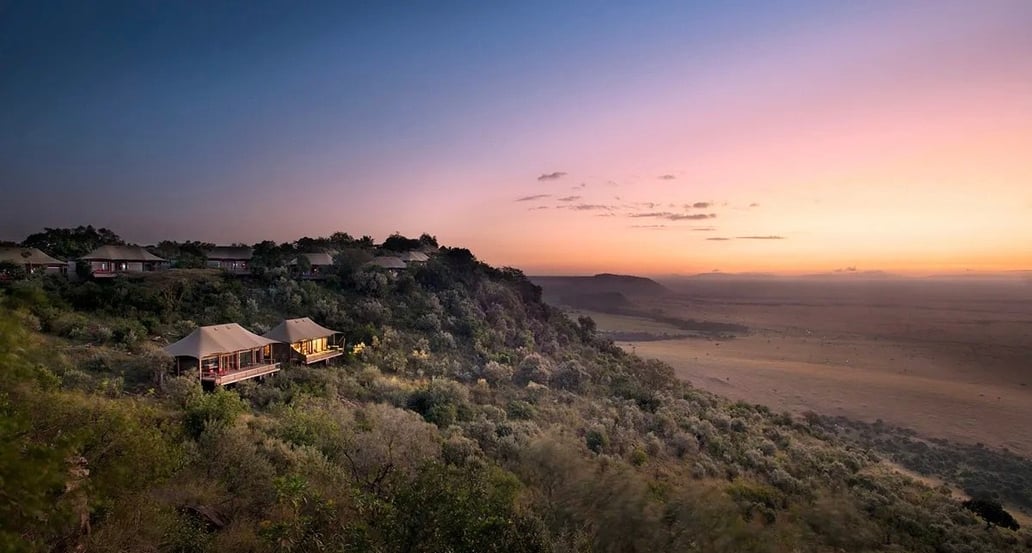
<point>571,139</point>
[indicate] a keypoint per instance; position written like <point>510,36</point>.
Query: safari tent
<point>33,260</point>
<point>303,341</point>
<point>232,259</point>
<point>312,265</point>
<point>223,354</point>
<point>414,256</point>
<point>388,262</point>
<point>109,261</point>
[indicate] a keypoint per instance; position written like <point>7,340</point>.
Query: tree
<point>269,255</point>
<point>309,245</point>
<point>992,512</point>
<point>30,469</point>
<point>462,510</point>
<point>350,260</point>
<point>398,243</point>
<point>428,240</point>
<point>11,271</point>
<point>185,255</point>
<point>586,328</point>
<point>68,243</point>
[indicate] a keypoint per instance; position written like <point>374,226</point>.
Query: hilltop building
<point>110,261</point>
<point>224,354</point>
<point>32,260</point>
<point>389,262</point>
<point>313,266</point>
<point>413,257</point>
<point>232,259</point>
<point>303,341</point>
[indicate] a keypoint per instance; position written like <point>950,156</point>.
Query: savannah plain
<point>947,358</point>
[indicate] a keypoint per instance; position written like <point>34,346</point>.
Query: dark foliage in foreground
<point>980,471</point>
<point>992,512</point>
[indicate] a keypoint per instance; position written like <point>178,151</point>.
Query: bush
<point>684,443</point>
<point>128,332</point>
<point>533,368</point>
<point>570,376</point>
<point>991,512</point>
<point>452,509</point>
<point>442,402</point>
<point>496,373</point>
<point>460,451</point>
<point>217,409</point>
<point>596,439</point>
<point>639,457</point>
<point>520,410</point>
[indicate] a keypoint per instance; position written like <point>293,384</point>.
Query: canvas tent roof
<point>316,259</point>
<point>208,340</point>
<point>121,253</point>
<point>242,253</point>
<point>414,256</point>
<point>27,256</point>
<point>388,262</point>
<point>295,330</point>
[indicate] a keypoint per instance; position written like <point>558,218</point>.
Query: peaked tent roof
<point>206,340</point>
<point>315,259</point>
<point>27,256</point>
<point>121,253</point>
<point>294,330</point>
<point>414,256</point>
<point>387,262</point>
<point>230,252</point>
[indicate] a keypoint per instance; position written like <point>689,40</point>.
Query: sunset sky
<point>558,137</point>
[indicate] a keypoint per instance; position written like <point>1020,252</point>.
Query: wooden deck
<point>322,355</point>
<point>252,371</point>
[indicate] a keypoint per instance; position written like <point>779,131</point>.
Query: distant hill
<point>560,288</point>
<point>605,302</point>
<point>726,276</point>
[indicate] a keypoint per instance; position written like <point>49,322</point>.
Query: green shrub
<point>217,409</point>
<point>442,402</point>
<point>596,439</point>
<point>639,457</point>
<point>533,368</point>
<point>521,410</point>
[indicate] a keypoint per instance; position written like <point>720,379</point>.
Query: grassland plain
<point>924,372</point>
<point>949,359</point>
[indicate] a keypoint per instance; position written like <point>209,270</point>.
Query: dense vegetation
<point>469,417</point>
<point>979,470</point>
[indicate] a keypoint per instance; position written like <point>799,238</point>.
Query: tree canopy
<point>992,512</point>
<point>71,243</point>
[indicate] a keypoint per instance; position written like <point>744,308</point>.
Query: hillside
<point>556,286</point>
<point>469,415</point>
<point>629,296</point>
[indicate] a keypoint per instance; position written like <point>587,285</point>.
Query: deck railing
<point>244,373</point>
<point>330,353</point>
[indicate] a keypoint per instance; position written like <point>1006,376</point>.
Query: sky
<point>556,137</point>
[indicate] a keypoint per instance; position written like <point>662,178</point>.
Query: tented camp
<point>232,259</point>
<point>303,341</point>
<point>312,265</point>
<point>223,354</point>
<point>388,262</point>
<point>109,261</point>
<point>32,260</point>
<point>413,257</point>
